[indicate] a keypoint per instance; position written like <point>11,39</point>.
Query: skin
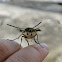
<point>10,51</point>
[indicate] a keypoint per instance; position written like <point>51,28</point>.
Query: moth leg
<point>15,38</point>
<point>37,38</point>
<point>27,41</point>
<point>37,41</point>
<point>21,40</point>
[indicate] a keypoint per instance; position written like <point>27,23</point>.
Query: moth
<point>28,33</point>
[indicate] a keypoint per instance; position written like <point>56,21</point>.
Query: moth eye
<point>31,34</point>
<point>27,33</point>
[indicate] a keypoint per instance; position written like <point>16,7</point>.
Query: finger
<point>7,48</point>
<point>32,53</point>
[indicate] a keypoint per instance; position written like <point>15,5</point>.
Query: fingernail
<point>44,45</point>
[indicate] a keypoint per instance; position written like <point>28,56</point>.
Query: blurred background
<point>28,13</point>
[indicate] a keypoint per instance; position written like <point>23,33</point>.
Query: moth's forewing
<point>38,29</point>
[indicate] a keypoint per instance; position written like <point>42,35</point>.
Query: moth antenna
<point>14,26</point>
<point>37,24</point>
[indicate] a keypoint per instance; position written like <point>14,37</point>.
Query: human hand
<point>11,51</point>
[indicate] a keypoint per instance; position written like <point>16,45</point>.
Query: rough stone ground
<point>24,17</point>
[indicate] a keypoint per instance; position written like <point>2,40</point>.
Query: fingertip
<point>45,46</point>
<point>42,49</point>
